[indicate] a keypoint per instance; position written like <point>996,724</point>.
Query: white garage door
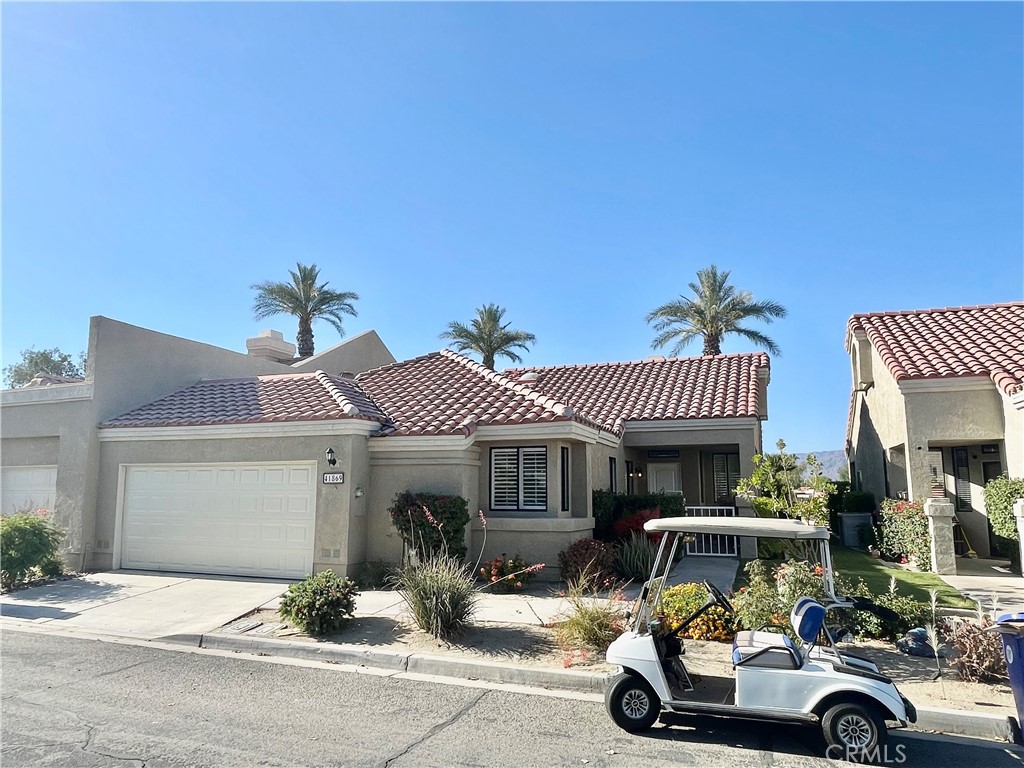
<point>27,488</point>
<point>251,520</point>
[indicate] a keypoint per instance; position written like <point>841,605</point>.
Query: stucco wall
<point>359,353</point>
<point>535,540</point>
<point>453,472</point>
<point>333,544</point>
<point>1013,449</point>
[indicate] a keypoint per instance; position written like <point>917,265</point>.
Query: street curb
<point>950,721</point>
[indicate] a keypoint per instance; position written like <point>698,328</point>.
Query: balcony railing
<point>712,544</point>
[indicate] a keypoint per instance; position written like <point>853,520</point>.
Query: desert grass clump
<point>593,620</point>
<point>440,594</point>
<point>636,556</point>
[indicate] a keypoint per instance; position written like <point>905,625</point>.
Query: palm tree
<point>716,311</point>
<point>488,337</point>
<point>306,300</point>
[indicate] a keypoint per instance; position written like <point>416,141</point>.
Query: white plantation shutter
<point>963,479</point>
<point>534,478</point>
<point>726,473</point>
<point>504,478</point>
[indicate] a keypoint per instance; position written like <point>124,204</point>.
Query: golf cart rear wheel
<point>632,703</point>
<point>854,732</point>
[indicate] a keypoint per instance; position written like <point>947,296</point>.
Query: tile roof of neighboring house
<point>948,343</point>
<point>280,398</point>
<point>49,379</point>
<point>445,393</point>
<point>676,388</point>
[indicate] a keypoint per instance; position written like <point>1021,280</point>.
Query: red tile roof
<point>950,343</point>
<point>445,393</point>
<point>282,398</point>
<point>676,388</point>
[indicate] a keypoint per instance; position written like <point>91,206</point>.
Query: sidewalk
<point>988,582</point>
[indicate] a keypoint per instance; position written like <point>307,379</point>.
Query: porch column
<point>940,529</point>
<point>1018,513</point>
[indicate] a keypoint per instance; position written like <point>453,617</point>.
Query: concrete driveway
<point>146,606</point>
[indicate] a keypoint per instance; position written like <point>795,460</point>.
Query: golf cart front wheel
<point>854,732</point>
<point>632,703</point>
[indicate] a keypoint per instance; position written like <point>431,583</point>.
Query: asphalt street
<point>75,702</point>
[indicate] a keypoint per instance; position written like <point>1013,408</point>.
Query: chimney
<point>270,345</point>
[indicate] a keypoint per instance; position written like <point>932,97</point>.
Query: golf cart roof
<point>769,528</point>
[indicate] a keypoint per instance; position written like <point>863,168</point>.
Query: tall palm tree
<point>486,336</point>
<point>716,310</point>
<point>306,300</point>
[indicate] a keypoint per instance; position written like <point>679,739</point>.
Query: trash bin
<point>1010,627</point>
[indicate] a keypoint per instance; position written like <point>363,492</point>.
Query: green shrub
<point>636,557</point>
<point>680,601</point>
<point>594,558</point>
<point>910,613</point>
<point>320,604</point>
<point>757,604</point>
<point>604,514</point>
<point>1000,494</point>
<point>29,543</point>
<point>903,532</point>
<point>593,621</point>
<point>430,523</point>
<point>836,503</point>
<point>855,502</point>
<point>440,594</point>
<point>611,507</point>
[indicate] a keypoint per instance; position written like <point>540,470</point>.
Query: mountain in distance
<point>831,462</point>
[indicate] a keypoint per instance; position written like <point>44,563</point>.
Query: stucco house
<point>178,456</point>
<point>937,407</point>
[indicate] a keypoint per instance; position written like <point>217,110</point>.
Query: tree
<point>52,362</point>
<point>716,310</point>
<point>306,300</point>
<point>486,336</point>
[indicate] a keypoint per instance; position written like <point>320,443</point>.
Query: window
<point>726,467</point>
<point>564,452</point>
<point>612,485</point>
<point>963,479</point>
<point>629,477</point>
<point>519,478</point>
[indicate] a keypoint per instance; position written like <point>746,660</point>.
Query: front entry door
<point>663,478</point>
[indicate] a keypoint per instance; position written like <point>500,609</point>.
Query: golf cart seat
<point>763,638</point>
<point>807,618</point>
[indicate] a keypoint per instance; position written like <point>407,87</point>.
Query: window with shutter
<point>726,468</point>
<point>504,478</point>
<point>519,478</point>
<point>963,479</point>
<point>564,454</point>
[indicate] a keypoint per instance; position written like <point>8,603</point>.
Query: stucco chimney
<point>270,345</point>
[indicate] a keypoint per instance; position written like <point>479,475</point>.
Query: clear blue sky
<point>574,163</point>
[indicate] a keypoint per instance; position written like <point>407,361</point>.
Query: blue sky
<point>574,163</point>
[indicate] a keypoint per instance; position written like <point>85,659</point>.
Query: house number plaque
<point>334,478</point>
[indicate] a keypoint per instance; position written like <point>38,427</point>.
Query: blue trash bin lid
<point>1011,618</point>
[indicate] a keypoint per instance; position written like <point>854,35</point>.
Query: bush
<point>610,507</point>
<point>375,574</point>
<point>1000,494</point>
<point>909,611</point>
<point>431,524</point>
<point>757,604</point>
<point>836,503</point>
<point>29,543</point>
<point>593,622</point>
<point>507,574</point>
<point>903,533</point>
<point>680,601</point>
<point>979,652</point>
<point>858,502</point>
<point>625,527</point>
<point>594,558</point>
<point>440,594</point>
<point>604,514</point>
<point>319,604</point>
<point>636,557</point>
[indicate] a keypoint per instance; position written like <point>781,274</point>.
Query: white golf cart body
<point>774,678</point>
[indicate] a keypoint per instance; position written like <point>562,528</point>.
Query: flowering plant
<point>508,574</point>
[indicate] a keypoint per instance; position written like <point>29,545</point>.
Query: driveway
<point>146,606</point>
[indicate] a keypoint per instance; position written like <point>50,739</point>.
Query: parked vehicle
<point>775,678</point>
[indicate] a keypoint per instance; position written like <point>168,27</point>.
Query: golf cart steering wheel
<point>721,600</point>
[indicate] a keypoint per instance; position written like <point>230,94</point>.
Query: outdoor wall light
<point>359,492</point>
<point>329,453</point>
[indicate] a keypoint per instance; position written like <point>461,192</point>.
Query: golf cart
<point>775,678</point>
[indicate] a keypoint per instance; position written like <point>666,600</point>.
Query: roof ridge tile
<point>347,406</point>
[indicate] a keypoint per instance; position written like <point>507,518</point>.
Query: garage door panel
<point>247,520</point>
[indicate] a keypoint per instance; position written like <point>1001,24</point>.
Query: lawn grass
<point>852,564</point>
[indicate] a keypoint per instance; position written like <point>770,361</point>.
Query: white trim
<point>418,461</point>
<point>551,430</point>
<point>54,393</point>
<point>384,443</point>
<point>690,425</point>
<point>533,524</point>
<point>953,384</point>
<point>227,431</point>
<point>1017,401</point>
<point>122,475</point>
